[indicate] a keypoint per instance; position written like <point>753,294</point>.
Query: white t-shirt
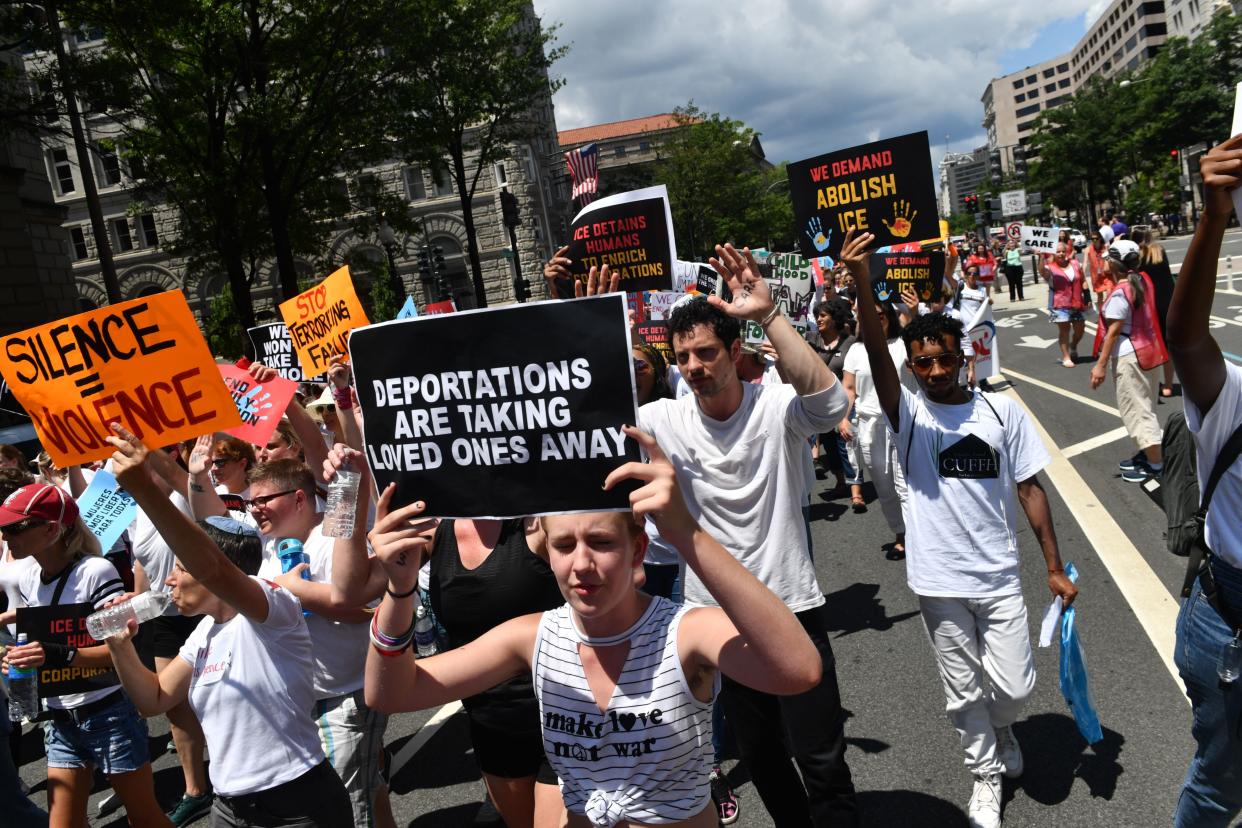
<point>1106,233</point>
<point>251,690</point>
<point>1117,306</point>
<point>972,300</point>
<point>962,465</point>
<point>866,401</point>
<point>743,479</point>
<point>339,648</point>
<point>93,581</point>
<point>11,573</point>
<point>153,553</point>
<point>1223,532</point>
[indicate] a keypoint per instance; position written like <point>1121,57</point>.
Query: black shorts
<point>169,632</point>
<point>510,754</point>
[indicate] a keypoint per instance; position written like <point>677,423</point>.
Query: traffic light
<point>1173,153</point>
<point>994,165</point>
<point>424,265</point>
<point>1019,161</point>
<point>995,211</point>
<point>521,289</point>
<point>1034,204</point>
<point>437,260</point>
<point>509,209</point>
<point>970,202</point>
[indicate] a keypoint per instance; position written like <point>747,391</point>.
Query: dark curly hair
<point>700,312</point>
<point>839,309</point>
<point>931,328</point>
<point>659,389</point>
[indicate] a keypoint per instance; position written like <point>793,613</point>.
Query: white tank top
<point>648,756</point>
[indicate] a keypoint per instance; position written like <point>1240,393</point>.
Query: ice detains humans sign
<point>884,188</point>
<point>503,412</point>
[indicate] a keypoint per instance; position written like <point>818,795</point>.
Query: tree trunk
<point>240,287</point>
<point>467,214</point>
<point>278,219</point>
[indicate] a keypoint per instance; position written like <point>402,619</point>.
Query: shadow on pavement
<point>1055,755</point>
<point>446,759</point>
<point>858,607</point>
<point>458,815</point>
<point>902,809</point>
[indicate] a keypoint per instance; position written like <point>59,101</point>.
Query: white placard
<point>1039,239</point>
<point>1237,127</point>
<point>1013,203</point>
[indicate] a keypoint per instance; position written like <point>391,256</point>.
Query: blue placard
<point>408,310</point>
<point>106,508</point>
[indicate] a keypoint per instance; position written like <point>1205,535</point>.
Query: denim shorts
<point>113,739</point>
<point>1067,315</point>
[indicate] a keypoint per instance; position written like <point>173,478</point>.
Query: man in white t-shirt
<point>1212,792</point>
<point>969,459</point>
<point>282,500</point>
<point>739,449</point>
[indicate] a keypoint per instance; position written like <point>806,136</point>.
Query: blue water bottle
<point>290,552</point>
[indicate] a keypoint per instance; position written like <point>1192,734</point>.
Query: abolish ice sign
<point>500,413</point>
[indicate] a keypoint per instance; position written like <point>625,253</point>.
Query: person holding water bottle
<point>98,727</point>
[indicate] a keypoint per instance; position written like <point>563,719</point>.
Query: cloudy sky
<point>810,75</point>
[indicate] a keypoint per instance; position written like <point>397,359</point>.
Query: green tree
<point>223,328</point>
<point>720,189</point>
<point>472,74</point>
<point>384,301</point>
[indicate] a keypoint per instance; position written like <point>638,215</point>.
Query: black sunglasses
<point>23,526</point>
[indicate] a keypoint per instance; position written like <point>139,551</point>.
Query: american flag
<point>584,172</point>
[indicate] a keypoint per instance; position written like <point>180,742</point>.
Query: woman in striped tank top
<point>625,681</point>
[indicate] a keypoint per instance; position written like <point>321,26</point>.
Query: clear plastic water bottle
<point>113,620</point>
<point>338,515</point>
<point>424,633</point>
<point>23,689</point>
<point>291,553</point>
<point>1230,667</point>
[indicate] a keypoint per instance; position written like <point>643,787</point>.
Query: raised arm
<point>1196,356</point>
<point>193,548</point>
<point>357,578</point>
<point>339,375</point>
<point>202,497</point>
<point>801,367</point>
<point>883,373</point>
<point>753,637</point>
<point>152,693</point>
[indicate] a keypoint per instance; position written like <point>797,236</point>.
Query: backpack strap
<point>1198,550</point>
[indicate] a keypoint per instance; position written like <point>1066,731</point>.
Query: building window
<point>1026,125</point>
<point>150,238</point>
<point>365,188</point>
<point>1032,78</point>
<point>78,239</point>
<point>1131,43</point>
<point>63,170</point>
<point>1034,93</point>
<point>442,181</point>
<point>1027,110</point>
<point>1018,83</point>
<point>415,189</point>
<point>1063,67</point>
<point>1050,87</point>
<point>137,167</point>
<point>528,161</point>
<point>1049,72</point>
<point>619,150</point>
<point>1019,98</point>
<point>1063,83</point>
<point>644,146</point>
<point>109,165</point>
<point>121,236</point>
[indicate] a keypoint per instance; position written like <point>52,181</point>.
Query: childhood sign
<point>884,187</point>
<point>477,416</point>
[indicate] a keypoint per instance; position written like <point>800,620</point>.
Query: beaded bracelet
<point>385,644</point>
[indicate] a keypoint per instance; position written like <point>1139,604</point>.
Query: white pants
<point>873,450</point>
<point>983,649</point>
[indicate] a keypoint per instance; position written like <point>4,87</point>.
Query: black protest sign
<point>500,413</point>
<point>894,273</point>
<point>655,334</point>
<point>274,348</point>
<point>885,188</point>
<point>630,232</point>
<point>63,624</point>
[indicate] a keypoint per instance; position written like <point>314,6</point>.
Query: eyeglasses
<point>641,365</point>
<point>262,500</point>
<point>220,461</point>
<point>23,526</point>
<point>924,363</point>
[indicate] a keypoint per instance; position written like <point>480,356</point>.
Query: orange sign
<point>141,363</point>
<point>319,321</point>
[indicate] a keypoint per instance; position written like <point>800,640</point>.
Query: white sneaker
<point>985,803</point>
<point>1009,752</point>
<point>109,804</point>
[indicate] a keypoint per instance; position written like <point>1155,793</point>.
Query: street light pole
<point>389,241</point>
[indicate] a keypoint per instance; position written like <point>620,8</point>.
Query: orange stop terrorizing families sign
<point>320,319</point>
<point>143,364</point>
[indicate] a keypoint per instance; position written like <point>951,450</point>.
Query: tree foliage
<point>719,190</point>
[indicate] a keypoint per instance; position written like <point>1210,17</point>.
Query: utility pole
<point>103,245</point>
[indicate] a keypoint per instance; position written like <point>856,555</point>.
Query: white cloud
<point>1093,13</point>
<point>810,75</point>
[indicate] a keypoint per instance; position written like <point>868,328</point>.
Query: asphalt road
<point>904,754</point>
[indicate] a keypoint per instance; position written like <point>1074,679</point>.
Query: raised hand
<point>338,457</point>
<point>1221,169</point>
<point>129,459</point>
<point>200,455</point>
<point>261,373</point>
<point>339,372</point>
<point>400,539</point>
<point>855,256</point>
<point>599,280</point>
<point>556,271</point>
<point>751,298</point>
<point>659,497</point>
<point>911,300</point>
<point>815,232</point>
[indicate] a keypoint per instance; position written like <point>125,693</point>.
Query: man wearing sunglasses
<point>965,455</point>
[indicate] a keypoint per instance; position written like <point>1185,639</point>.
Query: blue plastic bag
<point>1074,685</point>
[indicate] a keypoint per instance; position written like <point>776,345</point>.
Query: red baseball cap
<point>39,500</point>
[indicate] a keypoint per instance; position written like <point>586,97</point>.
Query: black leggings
<point>1013,275</point>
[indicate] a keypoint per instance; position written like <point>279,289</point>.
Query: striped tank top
<point>648,756</point>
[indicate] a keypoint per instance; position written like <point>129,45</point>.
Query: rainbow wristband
<point>387,645</point>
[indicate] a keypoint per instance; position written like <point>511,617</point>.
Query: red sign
<point>440,307</point>
<point>260,405</point>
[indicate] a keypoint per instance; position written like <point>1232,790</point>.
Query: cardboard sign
<point>441,308</point>
<point>320,319</point>
<point>982,333</point>
<point>893,273</point>
<point>655,334</point>
<point>1236,192</point>
<point>409,310</point>
<point>260,405</point>
<point>1039,239</point>
<point>630,232</point>
<point>885,188</point>
<point>107,508</point>
<point>64,624</point>
<point>792,284</point>
<point>661,303</point>
<point>474,415</point>
<point>141,363</point>
<point>274,348</point>
<point>694,277</point>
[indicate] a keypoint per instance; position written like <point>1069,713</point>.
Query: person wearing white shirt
<point>247,670</point>
<point>967,458</point>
